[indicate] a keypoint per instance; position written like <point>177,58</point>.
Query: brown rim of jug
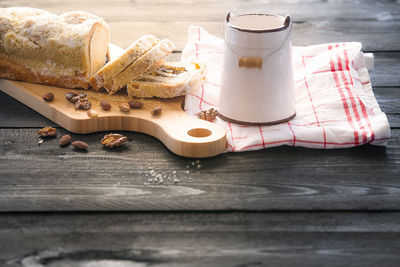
<point>256,123</point>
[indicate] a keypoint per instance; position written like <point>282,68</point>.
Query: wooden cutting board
<point>181,133</point>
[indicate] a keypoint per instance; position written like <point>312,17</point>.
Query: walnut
<point>83,105</point>
<point>113,140</point>
<point>208,115</point>
<point>80,100</point>
<point>70,95</point>
<point>47,131</point>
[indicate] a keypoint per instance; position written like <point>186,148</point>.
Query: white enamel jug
<point>257,77</point>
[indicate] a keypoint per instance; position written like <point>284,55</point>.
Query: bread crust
<point>41,47</point>
<point>15,71</point>
<point>150,59</point>
<point>115,67</point>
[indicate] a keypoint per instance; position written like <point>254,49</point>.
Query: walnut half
<point>113,140</point>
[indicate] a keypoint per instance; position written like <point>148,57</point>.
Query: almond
<point>65,140</point>
<point>105,105</point>
<point>48,97</point>
<point>92,114</point>
<point>156,111</point>
<point>125,107</point>
<point>135,104</point>
<point>80,145</point>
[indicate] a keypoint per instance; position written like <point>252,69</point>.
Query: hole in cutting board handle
<point>199,132</point>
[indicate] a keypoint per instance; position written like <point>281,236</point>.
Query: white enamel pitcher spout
<point>257,77</point>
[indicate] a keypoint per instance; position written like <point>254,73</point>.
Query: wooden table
<point>284,206</point>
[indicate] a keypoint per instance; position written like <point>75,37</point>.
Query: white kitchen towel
<point>335,104</point>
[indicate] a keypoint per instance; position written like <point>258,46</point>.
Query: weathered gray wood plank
<point>200,239</point>
<point>374,24</point>
<point>388,99</point>
<point>386,69</point>
<point>48,177</point>
<point>284,178</point>
<point>214,10</point>
<point>375,35</point>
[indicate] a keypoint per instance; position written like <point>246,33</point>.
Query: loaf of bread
<point>150,59</point>
<point>40,47</point>
<point>171,79</point>
<point>104,77</point>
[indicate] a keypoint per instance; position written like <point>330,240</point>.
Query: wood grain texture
<point>385,72</point>
<point>180,132</point>
<point>374,23</point>
<point>280,178</point>
<point>200,239</point>
<point>380,36</point>
<point>48,177</point>
<point>207,10</point>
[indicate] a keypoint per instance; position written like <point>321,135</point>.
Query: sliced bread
<point>150,59</point>
<point>111,70</point>
<point>171,79</point>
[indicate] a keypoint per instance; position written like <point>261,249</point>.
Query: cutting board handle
<point>183,134</point>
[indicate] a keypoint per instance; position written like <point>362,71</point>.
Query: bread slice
<point>171,79</point>
<point>150,59</point>
<point>61,50</point>
<point>116,66</point>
